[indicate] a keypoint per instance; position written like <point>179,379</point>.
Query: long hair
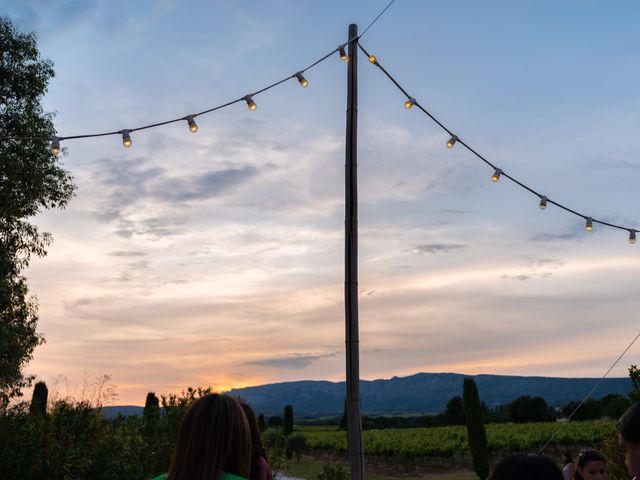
<point>257,449</point>
<point>584,458</point>
<point>629,424</point>
<point>213,438</point>
<point>526,467</point>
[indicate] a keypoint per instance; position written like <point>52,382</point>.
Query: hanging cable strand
<point>184,117</point>
<point>557,430</point>
<point>411,101</point>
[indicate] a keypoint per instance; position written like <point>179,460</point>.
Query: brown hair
<point>256,442</point>
<point>213,438</point>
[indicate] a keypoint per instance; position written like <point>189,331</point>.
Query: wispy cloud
<point>436,248</point>
<point>291,361</point>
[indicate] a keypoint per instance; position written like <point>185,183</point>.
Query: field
<point>447,442</point>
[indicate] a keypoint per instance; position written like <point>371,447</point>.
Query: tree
<point>634,375</point>
<point>591,409</point>
<point>529,409</point>
<point>294,445</point>
<point>476,433</point>
<point>39,399</point>
<point>31,179</point>
<point>275,422</point>
<point>454,412</point>
<point>261,423</point>
<point>151,410</point>
<point>288,419</point>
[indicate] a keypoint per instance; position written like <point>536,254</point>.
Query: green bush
<point>333,471</point>
<point>294,445</point>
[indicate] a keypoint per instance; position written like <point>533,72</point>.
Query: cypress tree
<point>151,410</point>
<point>288,419</point>
<point>39,399</point>
<point>476,433</point>
<point>261,423</point>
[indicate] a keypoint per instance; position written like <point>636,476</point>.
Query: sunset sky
<point>216,258</point>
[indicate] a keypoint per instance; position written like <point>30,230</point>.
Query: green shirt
<point>224,476</point>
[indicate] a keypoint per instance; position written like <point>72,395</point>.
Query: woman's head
<point>213,438</point>
<point>526,467</point>
<point>591,466</point>
<point>629,437</point>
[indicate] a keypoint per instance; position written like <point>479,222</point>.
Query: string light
<point>589,225</point>
<point>192,123</point>
<point>343,53</point>
<point>373,59</point>
<point>543,202</point>
<point>409,103</point>
<point>250,103</point>
<point>498,172</point>
<point>303,81</point>
<point>126,138</point>
<point>55,145</point>
<point>632,236</point>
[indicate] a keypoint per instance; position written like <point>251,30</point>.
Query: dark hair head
<point>629,424</point>
<point>526,467</point>
<point>586,456</point>
<point>257,449</point>
<point>213,438</point>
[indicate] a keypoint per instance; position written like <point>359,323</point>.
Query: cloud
<point>557,237</point>
<point>435,248</point>
<point>536,269</point>
<point>293,361</point>
<point>122,253</point>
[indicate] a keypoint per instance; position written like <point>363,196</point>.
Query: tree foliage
<point>31,179</point>
<point>527,409</point>
<point>476,433</point>
<point>39,399</point>
<point>288,419</point>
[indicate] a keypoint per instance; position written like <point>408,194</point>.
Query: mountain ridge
<point>420,393</point>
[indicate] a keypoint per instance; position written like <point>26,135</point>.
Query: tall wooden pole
<point>352,340</point>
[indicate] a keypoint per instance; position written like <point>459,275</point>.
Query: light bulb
<point>452,141</point>
<point>543,202</point>
<point>303,81</point>
<point>55,144</point>
<point>250,103</point>
<point>496,175</point>
<point>589,225</point>
<point>632,236</point>
<point>373,59</point>
<point>126,138</point>
<point>192,123</point>
<point>343,53</point>
<point>409,103</point>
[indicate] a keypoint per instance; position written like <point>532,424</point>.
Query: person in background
<point>591,466</point>
<point>569,468</point>
<point>526,467</point>
<point>629,438</point>
<point>260,469</point>
<point>214,442</point>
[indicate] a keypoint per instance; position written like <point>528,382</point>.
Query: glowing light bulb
<point>192,123</point>
<point>452,141</point>
<point>373,59</point>
<point>55,144</point>
<point>409,103</point>
<point>632,236</point>
<point>589,225</point>
<point>496,175</point>
<point>343,53</point>
<point>250,103</point>
<point>303,81</point>
<point>126,138</point>
<point>543,202</point>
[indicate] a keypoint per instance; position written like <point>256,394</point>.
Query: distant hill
<point>126,410</point>
<point>419,393</point>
